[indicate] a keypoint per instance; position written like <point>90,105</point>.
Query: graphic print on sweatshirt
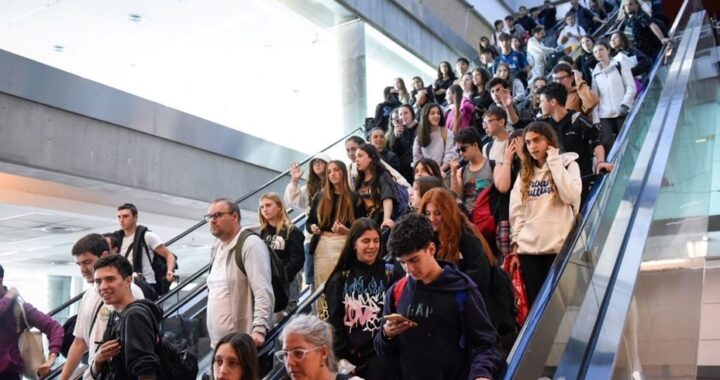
<point>539,188</point>
<point>364,304</point>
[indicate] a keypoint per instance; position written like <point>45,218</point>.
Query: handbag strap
<point>21,303</point>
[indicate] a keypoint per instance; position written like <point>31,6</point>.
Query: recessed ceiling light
<point>134,17</point>
<point>60,229</point>
<point>59,48</point>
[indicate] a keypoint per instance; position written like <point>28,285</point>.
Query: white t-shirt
<point>90,303</point>
<point>153,241</point>
<point>497,151</point>
<point>218,305</point>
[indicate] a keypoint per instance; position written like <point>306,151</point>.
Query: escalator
<point>186,301</point>
<point>627,298</point>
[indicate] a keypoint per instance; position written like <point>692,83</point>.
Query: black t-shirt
<point>577,134</point>
<point>374,192</point>
<point>637,29</point>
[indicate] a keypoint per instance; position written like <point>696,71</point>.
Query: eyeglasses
<point>215,216</point>
<point>297,354</point>
<point>488,121</point>
<point>561,77</point>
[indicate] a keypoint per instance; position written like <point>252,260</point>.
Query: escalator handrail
<point>558,267</point>
<point>637,236</point>
<point>277,330</point>
<point>172,292</point>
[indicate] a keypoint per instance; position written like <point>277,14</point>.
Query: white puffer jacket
<point>613,88</point>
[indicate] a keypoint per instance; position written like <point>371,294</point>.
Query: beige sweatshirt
<point>541,225</point>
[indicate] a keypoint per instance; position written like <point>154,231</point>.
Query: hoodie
<point>541,224</point>
<point>454,338</point>
<point>355,303</point>
<point>138,329</point>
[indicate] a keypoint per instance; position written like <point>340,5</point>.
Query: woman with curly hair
<point>543,204</point>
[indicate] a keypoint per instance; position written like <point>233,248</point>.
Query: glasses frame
<point>288,353</point>
<point>216,216</point>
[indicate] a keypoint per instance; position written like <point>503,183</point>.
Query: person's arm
<point>257,269</point>
<point>448,151</point>
<point>417,152</point>
<point>566,177</point>
<point>477,266</point>
<point>630,89</point>
<point>517,210</point>
<point>75,354</point>
<point>140,334</point>
<point>484,340</point>
<point>658,33</point>
<point>295,195</point>
<point>312,219</point>
<point>502,174</point>
<point>588,98</point>
<point>456,180</point>
<point>163,251</point>
<point>51,329</point>
<point>387,204</point>
<point>336,314</point>
<point>385,346</point>
<point>296,253</point>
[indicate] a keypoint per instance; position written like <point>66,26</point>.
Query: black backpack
<point>176,364</point>
<point>158,263</point>
<point>280,284</point>
<point>503,300</point>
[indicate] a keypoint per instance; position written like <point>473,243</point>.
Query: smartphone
<point>399,318</point>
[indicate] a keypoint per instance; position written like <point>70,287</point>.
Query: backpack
<point>482,215</point>
<point>502,296</point>
<point>157,262</point>
<point>403,201</point>
<point>175,364</point>
<point>280,284</point>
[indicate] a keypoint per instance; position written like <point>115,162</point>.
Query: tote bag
<point>30,346</point>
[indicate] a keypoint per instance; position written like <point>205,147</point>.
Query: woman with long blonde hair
<point>543,203</point>
<point>280,233</point>
<point>331,214</point>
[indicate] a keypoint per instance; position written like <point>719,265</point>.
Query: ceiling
<point>228,61</point>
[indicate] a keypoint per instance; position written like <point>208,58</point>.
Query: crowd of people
<point>483,166</point>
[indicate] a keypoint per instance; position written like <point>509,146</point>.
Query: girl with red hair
<point>459,240</point>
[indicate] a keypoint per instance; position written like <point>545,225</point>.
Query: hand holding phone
<point>398,318</point>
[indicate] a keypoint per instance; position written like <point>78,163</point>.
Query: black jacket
<point>402,146</point>
<point>577,134</point>
<point>137,328</point>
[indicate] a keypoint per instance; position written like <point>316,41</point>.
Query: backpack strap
<point>95,315</point>
<point>461,298</point>
<point>487,148</point>
<point>244,234</point>
<point>136,246</point>
<point>398,291</point>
